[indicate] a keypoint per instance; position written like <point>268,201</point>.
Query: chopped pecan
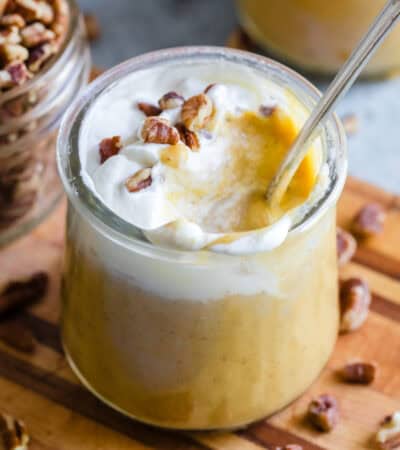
<point>10,35</point>
<point>148,109</point>
<point>346,246</point>
<point>109,147</point>
<point>159,131</point>
<point>14,52</point>
<point>92,27</point>
<point>355,299</point>
<point>209,87</point>
<point>35,10</point>
<point>369,220</point>
<point>18,293</point>
<point>196,112</point>
<point>359,372</point>
<point>388,436</point>
<point>266,110</point>
<point>18,72</point>
<point>350,124</point>
<point>17,335</point>
<point>39,55</point>
<point>323,413</point>
<point>171,100</point>
<point>188,137</point>
<point>35,34</point>
<point>12,20</point>
<point>139,180</point>
<point>13,433</point>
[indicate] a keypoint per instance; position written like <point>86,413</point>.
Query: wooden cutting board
<point>61,414</point>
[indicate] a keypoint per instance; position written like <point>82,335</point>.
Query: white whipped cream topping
<point>182,224</point>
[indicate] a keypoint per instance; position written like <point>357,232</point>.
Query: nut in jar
<point>44,62</point>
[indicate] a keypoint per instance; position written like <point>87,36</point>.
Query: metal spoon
<point>345,78</point>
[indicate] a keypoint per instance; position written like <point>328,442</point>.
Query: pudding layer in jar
<point>318,36</point>
<point>188,302</point>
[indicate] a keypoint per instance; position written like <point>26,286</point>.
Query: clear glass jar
<point>167,336</point>
<point>317,36</point>
<point>29,118</point>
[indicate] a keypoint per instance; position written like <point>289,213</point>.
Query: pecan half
<point>35,34</point>
<point>267,111</point>
<point>92,27</point>
<point>346,246</point>
<point>17,335</point>
<point>323,413</point>
<point>148,109</point>
<point>171,100</point>
<point>355,299</point>
<point>13,433</point>
<point>359,372</point>
<point>139,180</point>
<point>369,220</point>
<point>10,20</point>
<point>18,293</point>
<point>188,137</point>
<point>388,436</point>
<point>35,10</point>
<point>39,55</point>
<point>14,52</point>
<point>109,147</point>
<point>159,131</point>
<point>196,112</point>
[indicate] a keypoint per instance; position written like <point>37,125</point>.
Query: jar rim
<point>55,62</point>
<point>123,233</point>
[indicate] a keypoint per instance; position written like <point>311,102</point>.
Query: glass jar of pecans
<point>44,62</point>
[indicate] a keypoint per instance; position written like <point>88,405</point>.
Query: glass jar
<point>317,36</point>
<point>197,340</point>
<point>29,118</point>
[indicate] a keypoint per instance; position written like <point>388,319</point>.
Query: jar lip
<point>56,61</point>
<point>124,233</point>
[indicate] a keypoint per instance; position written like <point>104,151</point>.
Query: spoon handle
<point>337,89</point>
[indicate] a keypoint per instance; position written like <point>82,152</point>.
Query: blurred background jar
<point>40,76</point>
<point>317,35</point>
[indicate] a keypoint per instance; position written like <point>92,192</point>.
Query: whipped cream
<point>171,212</point>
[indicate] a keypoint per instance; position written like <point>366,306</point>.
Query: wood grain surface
<point>61,414</point>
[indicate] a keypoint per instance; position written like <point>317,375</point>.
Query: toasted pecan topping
<point>323,413</point>
<point>159,131</point>
<point>14,52</point>
<point>188,137</point>
<point>148,109</point>
<point>369,220</point>
<point>358,372</point>
<point>19,73</point>
<point>10,20</point>
<point>109,147</point>
<point>267,111</point>
<point>346,246</point>
<point>13,433</point>
<point>35,10</point>
<point>39,55</point>
<point>355,299</point>
<point>139,180</point>
<point>35,34</point>
<point>196,112</point>
<point>171,100</point>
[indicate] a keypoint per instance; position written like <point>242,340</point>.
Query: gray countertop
<point>131,27</point>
